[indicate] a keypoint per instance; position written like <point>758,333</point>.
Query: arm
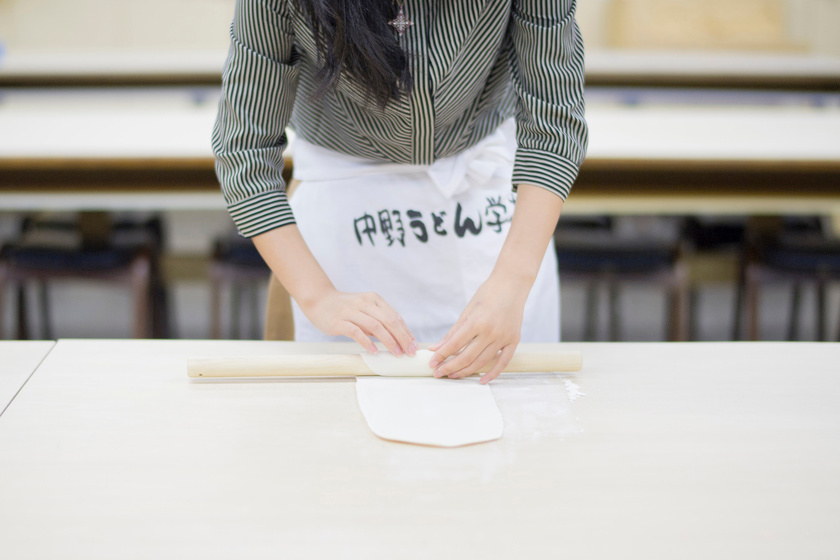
<point>356,315</point>
<point>547,74</point>
<point>258,91</point>
<point>259,81</point>
<point>492,321</point>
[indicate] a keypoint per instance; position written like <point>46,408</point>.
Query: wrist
<point>293,264</point>
<point>513,280</point>
<point>518,262</point>
<point>309,296</point>
<point>534,221</point>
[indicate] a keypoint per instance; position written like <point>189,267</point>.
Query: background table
<point>18,359</point>
<point>604,67</point>
<point>651,151</point>
<point>724,450</point>
<point>724,69</point>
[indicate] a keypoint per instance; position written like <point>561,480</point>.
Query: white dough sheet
<point>430,411</point>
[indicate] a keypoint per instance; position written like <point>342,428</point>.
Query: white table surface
<point>18,359</point>
<point>696,450</point>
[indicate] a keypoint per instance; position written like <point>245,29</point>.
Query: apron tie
<point>452,176</point>
<point>474,167</point>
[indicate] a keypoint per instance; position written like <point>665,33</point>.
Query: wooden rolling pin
<point>352,365</point>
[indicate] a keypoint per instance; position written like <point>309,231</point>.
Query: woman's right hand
<point>361,316</point>
<point>357,315</point>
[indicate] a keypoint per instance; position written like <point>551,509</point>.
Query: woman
<point>414,120</point>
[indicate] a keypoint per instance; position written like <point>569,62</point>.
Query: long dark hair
<point>354,36</point>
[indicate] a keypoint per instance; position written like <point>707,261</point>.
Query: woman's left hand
<point>489,328</point>
<point>487,331</point>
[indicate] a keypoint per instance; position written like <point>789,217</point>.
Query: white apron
<point>424,237</point>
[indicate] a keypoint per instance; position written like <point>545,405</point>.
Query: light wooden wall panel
<point>98,25</point>
<point>143,25</point>
<point>699,24</point>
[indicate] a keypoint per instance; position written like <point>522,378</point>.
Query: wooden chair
<point>797,257</point>
<point>589,251</point>
<point>126,253</point>
<point>721,242</point>
<point>236,264</point>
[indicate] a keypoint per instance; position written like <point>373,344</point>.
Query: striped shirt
<point>474,63</point>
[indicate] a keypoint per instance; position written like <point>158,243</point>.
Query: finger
<point>395,324</point>
<point>462,359</point>
<point>372,326</point>
<point>488,355</point>
<point>353,331</point>
<point>440,342</point>
<point>501,363</point>
<point>458,324</point>
<point>455,339</point>
<point>448,351</point>
<point>456,359</point>
<point>452,330</point>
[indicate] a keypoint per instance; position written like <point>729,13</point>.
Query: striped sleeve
<point>259,81</point>
<point>547,76</point>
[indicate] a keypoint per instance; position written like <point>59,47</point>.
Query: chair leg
<point>3,276</point>
<point>160,310</point>
<point>590,322</point>
<point>140,281</point>
<point>694,307</point>
<point>685,316</point>
<point>751,302</point>
<point>278,316</point>
<point>674,315</point>
<point>22,313</point>
<point>559,303</point>
<point>795,304</point>
<point>159,297</point>
<point>822,331</point>
<point>44,304</point>
<point>740,296</point>
<point>838,327</point>
<point>738,308</point>
<point>682,316</point>
<point>235,306</point>
<point>255,312</point>
<point>615,311</point>
<point>215,306</point>
<point>169,327</point>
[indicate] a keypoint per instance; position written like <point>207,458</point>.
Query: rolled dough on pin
<point>385,363</point>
